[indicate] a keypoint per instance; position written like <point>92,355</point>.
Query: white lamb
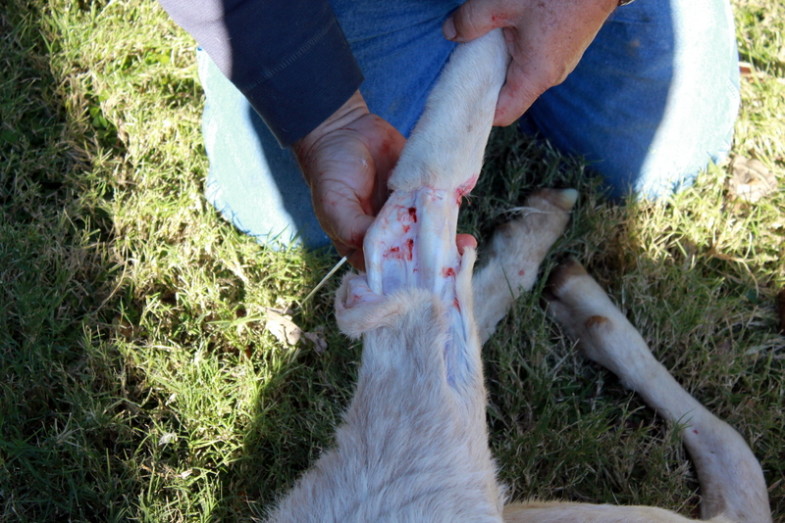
<point>413,445</point>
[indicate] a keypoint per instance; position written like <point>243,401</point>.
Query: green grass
<point>137,381</point>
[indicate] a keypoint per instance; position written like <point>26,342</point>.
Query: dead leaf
<point>280,324</point>
<point>166,438</point>
<point>317,338</point>
<point>751,180</point>
<point>746,68</point>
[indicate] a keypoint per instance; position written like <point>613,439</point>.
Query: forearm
<point>288,57</point>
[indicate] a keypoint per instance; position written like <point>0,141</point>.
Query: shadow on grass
<point>293,421</point>
<point>67,398</point>
<point>78,417</point>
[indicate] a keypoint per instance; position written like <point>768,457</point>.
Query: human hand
<point>545,40</point>
<point>347,161</point>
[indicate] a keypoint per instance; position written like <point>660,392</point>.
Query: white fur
<point>447,145</point>
<point>731,479</point>
<point>413,445</point>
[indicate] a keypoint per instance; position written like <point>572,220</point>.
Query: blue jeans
<point>652,103</point>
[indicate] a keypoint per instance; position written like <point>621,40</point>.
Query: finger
<point>475,18</point>
<point>387,152</point>
<point>383,141</point>
<point>517,95</point>
<point>385,156</point>
<point>357,259</point>
<point>354,255</point>
<point>465,240</point>
<point>350,236</point>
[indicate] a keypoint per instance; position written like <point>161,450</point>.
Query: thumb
<point>347,223</point>
<point>519,92</point>
<point>472,20</point>
<point>353,248</point>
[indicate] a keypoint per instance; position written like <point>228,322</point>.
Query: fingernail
<point>449,29</point>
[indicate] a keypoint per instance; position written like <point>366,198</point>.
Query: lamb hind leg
<point>412,242</point>
<point>515,253</point>
<point>732,483</point>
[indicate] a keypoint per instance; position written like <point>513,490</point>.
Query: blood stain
<point>465,188</point>
<point>394,253</point>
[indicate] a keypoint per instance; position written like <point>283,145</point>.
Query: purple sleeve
<point>289,58</point>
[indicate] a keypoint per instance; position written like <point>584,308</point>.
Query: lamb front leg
<point>731,479</point>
